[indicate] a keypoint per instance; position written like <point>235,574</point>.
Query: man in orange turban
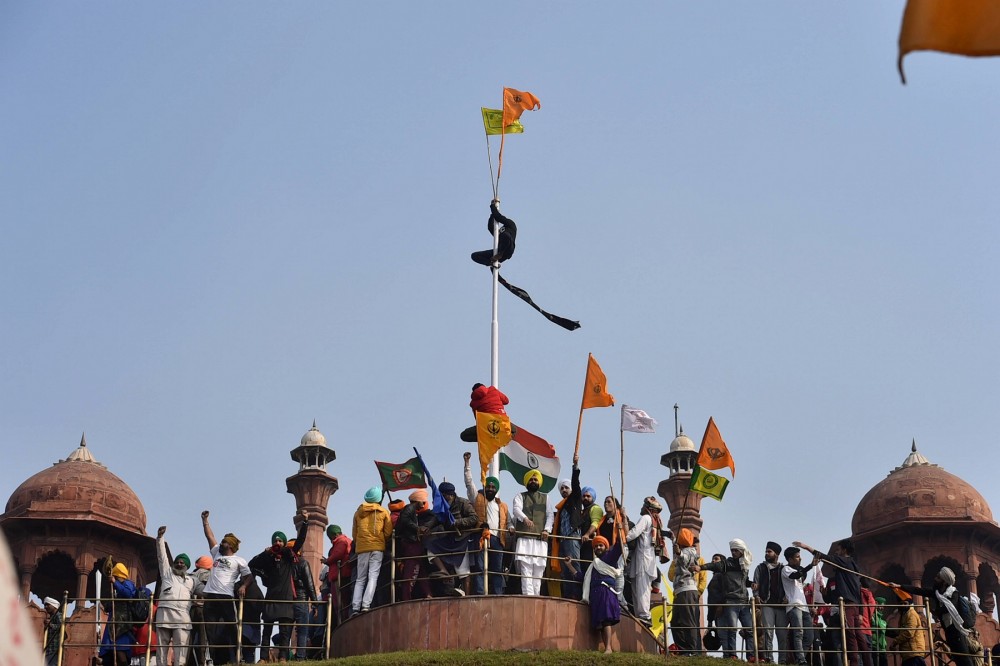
<point>684,620</point>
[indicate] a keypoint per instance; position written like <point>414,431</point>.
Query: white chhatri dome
<point>682,443</point>
<point>313,437</point>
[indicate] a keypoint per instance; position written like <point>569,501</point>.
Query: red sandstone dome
<point>78,488</point>
<point>919,491</point>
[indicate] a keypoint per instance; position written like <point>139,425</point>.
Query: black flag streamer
<point>568,324</point>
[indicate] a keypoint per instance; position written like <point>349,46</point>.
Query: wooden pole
<point>622,435</point>
<point>579,423</point>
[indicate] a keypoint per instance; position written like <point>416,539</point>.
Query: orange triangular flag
<point>714,454</point>
<point>963,27</point>
<point>595,390</point>
<point>515,103</point>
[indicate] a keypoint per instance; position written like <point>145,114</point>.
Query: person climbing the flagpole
<point>508,236</point>
<point>488,399</point>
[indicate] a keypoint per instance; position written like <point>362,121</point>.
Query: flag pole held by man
<point>595,394</point>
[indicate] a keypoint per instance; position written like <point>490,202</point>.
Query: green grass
<point>516,658</point>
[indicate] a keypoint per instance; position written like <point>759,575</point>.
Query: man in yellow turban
<point>119,637</point>
<point>532,522</point>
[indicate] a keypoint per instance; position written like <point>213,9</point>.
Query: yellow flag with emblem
<point>493,122</point>
<point>493,433</point>
<point>661,613</point>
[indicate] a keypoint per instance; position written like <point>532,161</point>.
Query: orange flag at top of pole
<point>963,27</point>
<point>515,103</point>
<point>714,454</point>
<point>595,390</point>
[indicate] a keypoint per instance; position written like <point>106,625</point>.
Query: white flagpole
<point>494,468</point>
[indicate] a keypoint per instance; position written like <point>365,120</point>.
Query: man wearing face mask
<point>173,614</point>
<point>533,522</point>
<point>276,569</point>
<point>493,519</point>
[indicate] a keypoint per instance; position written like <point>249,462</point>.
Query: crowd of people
<point>575,548</point>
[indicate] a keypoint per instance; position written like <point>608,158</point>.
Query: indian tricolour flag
<point>527,452</point>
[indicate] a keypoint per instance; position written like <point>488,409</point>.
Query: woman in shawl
<point>603,583</point>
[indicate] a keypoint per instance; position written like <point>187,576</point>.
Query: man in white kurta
<point>642,565</point>
<point>533,522</point>
<point>173,613</point>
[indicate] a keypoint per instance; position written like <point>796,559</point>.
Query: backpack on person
<point>964,607</point>
<point>138,608</point>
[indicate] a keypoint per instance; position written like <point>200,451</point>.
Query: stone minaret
<point>685,506</point>
<point>312,488</point>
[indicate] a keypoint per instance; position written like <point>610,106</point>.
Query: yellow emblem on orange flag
<point>515,103</point>
<point>714,454</point>
<point>493,433</point>
<point>595,390</point>
<point>963,27</point>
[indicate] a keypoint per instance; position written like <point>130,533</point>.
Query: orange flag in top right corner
<point>714,454</point>
<point>595,390</point>
<point>515,103</point>
<point>963,27</point>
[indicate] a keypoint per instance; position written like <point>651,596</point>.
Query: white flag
<point>636,420</point>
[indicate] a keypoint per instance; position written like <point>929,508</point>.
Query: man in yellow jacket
<point>911,636</point>
<point>372,529</point>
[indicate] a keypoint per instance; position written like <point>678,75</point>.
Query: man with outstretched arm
<point>229,579</point>
<point>848,584</point>
<point>493,516</point>
<point>173,612</point>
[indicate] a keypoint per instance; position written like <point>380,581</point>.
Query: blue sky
<point>222,221</point>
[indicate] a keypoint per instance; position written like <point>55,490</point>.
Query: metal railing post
<point>930,632</point>
<point>149,631</point>
<point>62,630</point>
<point>340,597</point>
<point>392,572</point>
<point>843,633</point>
<point>753,624</point>
<point>329,623</point>
<point>239,631</point>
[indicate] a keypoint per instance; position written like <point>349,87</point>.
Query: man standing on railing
<point>228,580</point>
<point>119,634</point>
<point>276,568</point>
<point>493,519</point>
<point>533,523</point>
<point>647,533</point>
<point>793,576</point>
<point>451,545</point>
<point>371,532</point>
<point>415,520</point>
<point>953,613</point>
<point>769,595</point>
<point>734,572</point>
<point>173,611</point>
<point>338,559</point>
<point>568,527</point>
<point>53,631</point>
<point>848,585</point>
<point>686,611</point>
<point>910,636</point>
<point>198,637</point>
<point>305,595</point>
